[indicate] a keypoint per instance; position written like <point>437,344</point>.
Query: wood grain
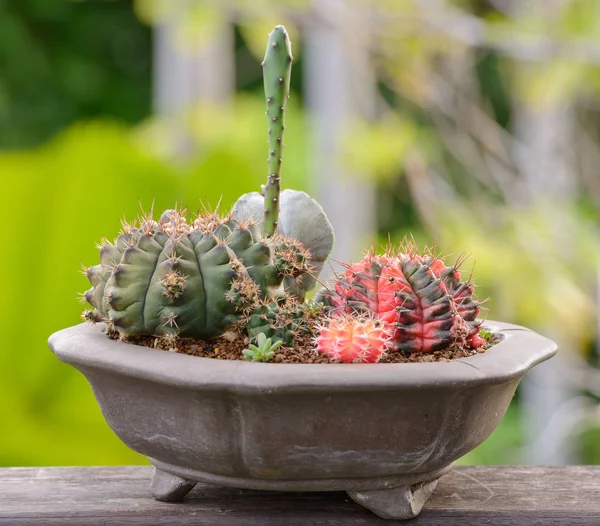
<point>469,495</point>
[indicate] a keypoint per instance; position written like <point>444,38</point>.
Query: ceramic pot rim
<point>86,347</point>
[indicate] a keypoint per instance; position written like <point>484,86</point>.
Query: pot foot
<point>403,502</point>
<point>170,488</point>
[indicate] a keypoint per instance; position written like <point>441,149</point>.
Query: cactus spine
<point>277,71</point>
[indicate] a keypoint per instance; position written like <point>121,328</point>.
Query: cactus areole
<point>277,71</point>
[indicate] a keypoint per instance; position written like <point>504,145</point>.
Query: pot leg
<point>170,488</point>
<point>403,502</point>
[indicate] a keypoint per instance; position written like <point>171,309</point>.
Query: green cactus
<point>194,279</point>
<point>280,321</point>
<point>277,71</point>
<point>300,218</point>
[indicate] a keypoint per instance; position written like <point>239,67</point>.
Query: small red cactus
<point>353,340</point>
<point>477,341</point>
<point>422,302</point>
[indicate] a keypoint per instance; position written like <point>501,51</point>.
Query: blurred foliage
<point>65,60</point>
<point>589,440</point>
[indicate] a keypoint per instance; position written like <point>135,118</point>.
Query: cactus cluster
<point>421,301</point>
<point>251,270</point>
<point>196,279</point>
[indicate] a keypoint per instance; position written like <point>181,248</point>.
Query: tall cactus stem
<point>277,71</point>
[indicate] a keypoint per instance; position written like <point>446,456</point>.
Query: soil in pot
<point>231,345</point>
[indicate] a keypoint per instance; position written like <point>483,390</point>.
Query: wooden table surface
<point>469,495</point>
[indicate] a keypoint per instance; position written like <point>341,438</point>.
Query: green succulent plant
<point>263,351</point>
<point>487,335</point>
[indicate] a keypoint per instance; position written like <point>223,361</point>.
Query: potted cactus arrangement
<point>209,354</point>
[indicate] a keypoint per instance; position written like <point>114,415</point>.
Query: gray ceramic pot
<point>384,433</point>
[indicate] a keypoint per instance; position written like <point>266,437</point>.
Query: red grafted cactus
<point>421,301</point>
<point>353,340</point>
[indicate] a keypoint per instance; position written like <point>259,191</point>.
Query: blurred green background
<point>482,137</point>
